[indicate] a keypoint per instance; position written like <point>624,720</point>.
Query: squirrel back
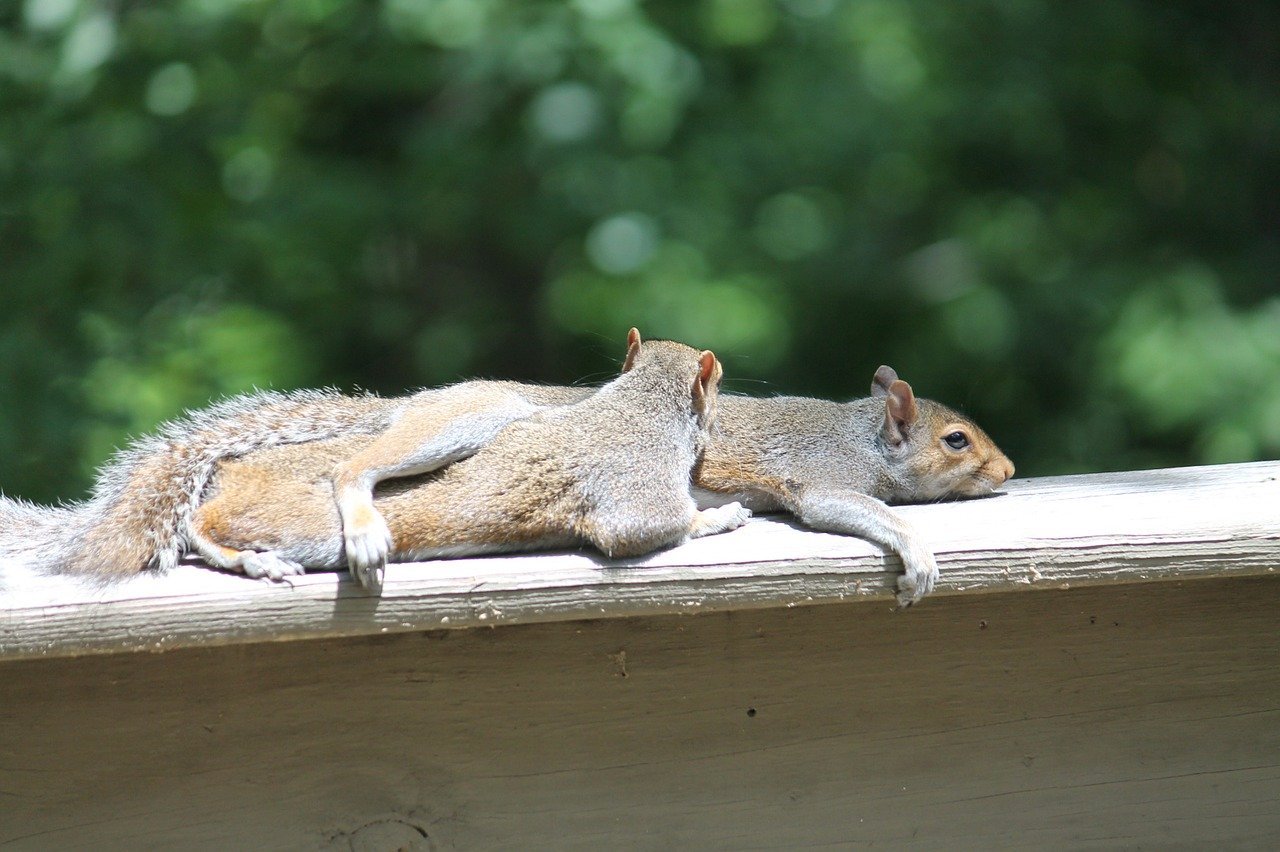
<point>612,469</point>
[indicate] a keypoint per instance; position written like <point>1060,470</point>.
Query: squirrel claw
<point>370,577</point>
<point>368,548</point>
<point>919,579</point>
<point>369,573</point>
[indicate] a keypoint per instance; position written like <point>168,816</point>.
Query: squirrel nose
<point>1005,467</point>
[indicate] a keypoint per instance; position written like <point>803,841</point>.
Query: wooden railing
<point>1100,668</point>
<point>1051,533</point>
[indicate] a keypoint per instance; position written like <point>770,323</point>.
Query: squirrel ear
<point>884,377</point>
<point>633,349</point>
<point>708,366</point>
<point>899,412</point>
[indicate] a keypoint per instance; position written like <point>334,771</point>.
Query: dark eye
<point>956,440</point>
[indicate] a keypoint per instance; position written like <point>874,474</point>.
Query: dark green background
<point>1059,217</point>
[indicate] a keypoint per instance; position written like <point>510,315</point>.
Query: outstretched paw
<point>721,519</point>
<point>269,565</point>
<point>919,578</point>
<point>368,541</point>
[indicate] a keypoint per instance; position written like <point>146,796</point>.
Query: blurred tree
<point>1059,217</point>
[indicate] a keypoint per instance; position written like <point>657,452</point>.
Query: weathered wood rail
<point>1134,702</point>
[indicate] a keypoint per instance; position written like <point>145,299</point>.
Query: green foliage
<point>1059,217</point>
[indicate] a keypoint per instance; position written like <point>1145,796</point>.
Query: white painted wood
<point>1052,533</point>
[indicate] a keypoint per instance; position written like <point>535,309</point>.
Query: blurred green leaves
<point>1060,217</point>
<point>677,296</point>
<point>1196,366</point>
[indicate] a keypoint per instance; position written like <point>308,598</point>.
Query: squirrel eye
<point>956,440</point>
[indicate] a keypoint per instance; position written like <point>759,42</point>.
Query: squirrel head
<point>702,371</point>
<point>936,452</point>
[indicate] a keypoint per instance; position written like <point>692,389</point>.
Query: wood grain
<point>1131,716</point>
<point>1053,533</point>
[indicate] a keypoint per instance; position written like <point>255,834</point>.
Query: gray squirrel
<point>831,465</point>
<point>611,470</point>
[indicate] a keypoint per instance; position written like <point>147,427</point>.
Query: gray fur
<point>138,515</point>
<point>611,470</point>
<point>822,461</point>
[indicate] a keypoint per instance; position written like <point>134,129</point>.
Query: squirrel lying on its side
<point>832,465</point>
<point>611,470</point>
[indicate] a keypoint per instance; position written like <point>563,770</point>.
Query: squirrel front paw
<point>720,519</point>
<point>368,542</point>
<point>920,576</point>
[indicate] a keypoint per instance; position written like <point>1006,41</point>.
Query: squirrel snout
<point>1001,470</point>
<point>995,471</point>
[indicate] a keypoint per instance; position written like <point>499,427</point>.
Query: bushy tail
<point>146,495</point>
<point>37,536</point>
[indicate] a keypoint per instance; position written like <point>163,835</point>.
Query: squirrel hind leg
<point>627,541</point>
<point>252,563</point>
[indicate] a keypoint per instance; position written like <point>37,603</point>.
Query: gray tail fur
<point>34,536</point>
<point>146,495</point>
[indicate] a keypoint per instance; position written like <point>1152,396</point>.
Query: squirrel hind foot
<point>720,519</point>
<point>268,565</point>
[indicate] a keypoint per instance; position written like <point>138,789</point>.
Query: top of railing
<point>1049,533</point>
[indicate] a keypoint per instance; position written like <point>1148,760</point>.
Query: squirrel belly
<point>281,500</point>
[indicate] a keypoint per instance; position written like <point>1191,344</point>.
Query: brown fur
<point>825,462</point>
<point>727,474</point>
<point>612,471</point>
<point>830,464</point>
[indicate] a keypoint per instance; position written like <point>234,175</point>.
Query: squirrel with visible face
<point>612,470</point>
<point>832,465</point>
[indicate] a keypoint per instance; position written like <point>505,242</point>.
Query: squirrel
<point>831,465</point>
<point>612,470</point>
<point>836,466</point>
